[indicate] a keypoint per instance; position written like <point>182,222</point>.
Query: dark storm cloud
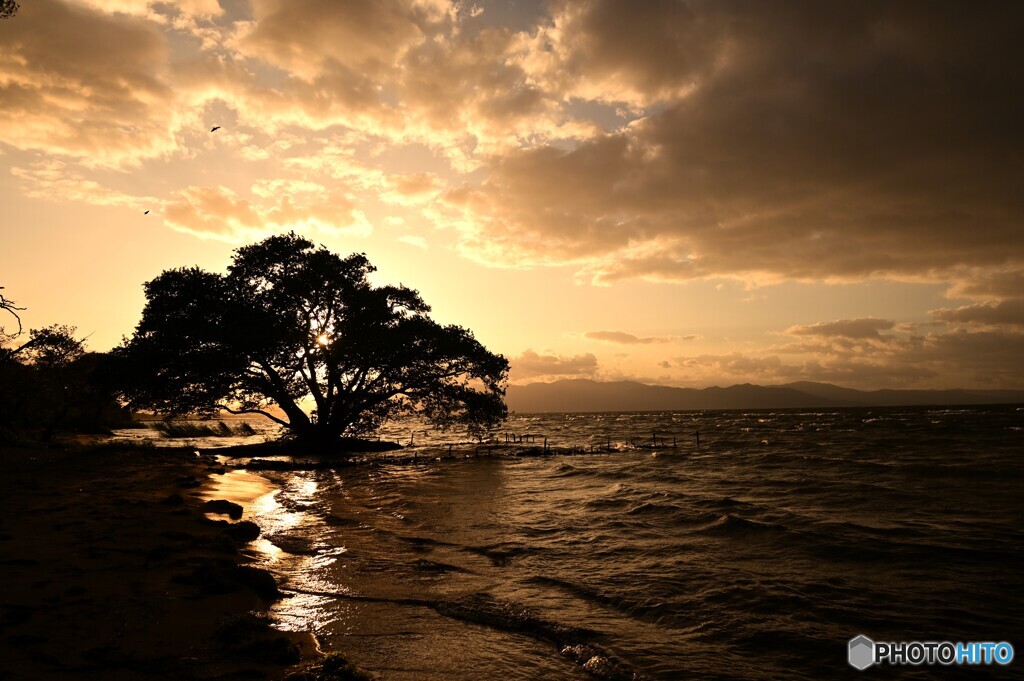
<point>980,359</point>
<point>845,328</point>
<point>1009,312</point>
<point>811,141</point>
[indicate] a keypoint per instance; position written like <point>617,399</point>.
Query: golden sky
<point>686,193</point>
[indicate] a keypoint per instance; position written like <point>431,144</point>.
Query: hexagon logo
<point>861,652</point>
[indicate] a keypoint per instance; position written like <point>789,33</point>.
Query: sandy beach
<point>113,570</point>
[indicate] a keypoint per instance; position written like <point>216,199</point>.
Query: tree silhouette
<point>50,384</point>
<point>292,325</point>
<point>53,347</point>
<point>8,8</point>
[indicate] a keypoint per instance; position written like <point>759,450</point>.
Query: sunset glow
<point>663,192</point>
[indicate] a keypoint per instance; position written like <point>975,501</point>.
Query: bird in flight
<point>215,128</point>
<point>146,213</point>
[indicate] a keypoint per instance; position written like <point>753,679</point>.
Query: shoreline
<point>112,570</point>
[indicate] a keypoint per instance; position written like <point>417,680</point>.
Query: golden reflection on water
<point>238,486</point>
<point>285,523</point>
<point>267,552</point>
<point>259,498</point>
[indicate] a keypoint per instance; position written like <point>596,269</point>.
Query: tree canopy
<point>298,327</point>
<point>51,384</point>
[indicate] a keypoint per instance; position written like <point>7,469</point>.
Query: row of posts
<point>512,438</point>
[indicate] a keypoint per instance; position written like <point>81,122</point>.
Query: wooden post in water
<point>698,439</point>
<point>654,439</point>
<point>449,451</point>
<point>545,444</point>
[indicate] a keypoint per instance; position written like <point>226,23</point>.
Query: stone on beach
<point>223,506</point>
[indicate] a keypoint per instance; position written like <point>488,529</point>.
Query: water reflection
<point>238,486</point>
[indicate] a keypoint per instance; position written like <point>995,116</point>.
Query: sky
<point>685,193</point>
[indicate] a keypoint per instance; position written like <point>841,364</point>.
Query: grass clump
<point>183,429</point>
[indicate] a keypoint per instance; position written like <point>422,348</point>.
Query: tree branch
<point>10,306</point>
<point>253,411</point>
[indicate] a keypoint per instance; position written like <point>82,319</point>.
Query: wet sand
<point>111,569</point>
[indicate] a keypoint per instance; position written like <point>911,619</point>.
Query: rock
<point>251,636</point>
<point>214,577</point>
<point>260,581</point>
<point>220,577</point>
<point>244,531</point>
<point>294,545</point>
<point>228,508</point>
<point>279,650</point>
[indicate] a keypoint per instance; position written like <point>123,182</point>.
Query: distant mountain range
<point>580,395</point>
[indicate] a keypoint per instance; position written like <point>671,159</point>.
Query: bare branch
<point>10,306</point>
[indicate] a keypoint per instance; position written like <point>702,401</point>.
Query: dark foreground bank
<point>112,570</point>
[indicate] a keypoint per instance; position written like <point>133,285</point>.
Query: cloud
<point>635,53</point>
<point>84,85</point>
<point>625,338</point>
<point>844,328</point>
<point>532,365</point>
<point>411,189</point>
<point>150,7</point>
<point>219,213</point>
<point>987,284</point>
<point>767,369</point>
<point>309,38</point>
<point>1003,312</point>
<point>666,141</point>
<point>820,143</point>
<point>56,181</point>
<point>413,240</point>
<point>973,359</point>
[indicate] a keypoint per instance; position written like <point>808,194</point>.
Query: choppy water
<point>758,556</point>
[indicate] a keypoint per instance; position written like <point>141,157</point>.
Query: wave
<point>575,643</point>
<point>740,548</point>
<point>656,509</point>
<point>646,610</point>
<point>729,525</point>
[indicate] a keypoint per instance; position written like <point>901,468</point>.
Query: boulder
<point>244,531</point>
<point>228,508</point>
